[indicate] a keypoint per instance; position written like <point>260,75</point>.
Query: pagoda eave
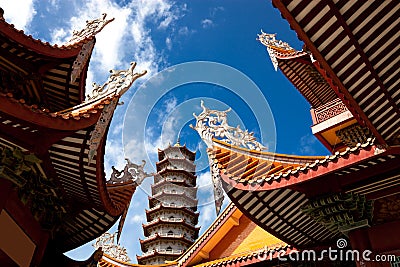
<point>191,153</point>
<point>145,242</point>
<point>146,227</point>
<point>168,170</point>
<point>185,210</point>
<point>173,195</point>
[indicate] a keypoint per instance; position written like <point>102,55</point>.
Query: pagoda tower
<point>172,216</point>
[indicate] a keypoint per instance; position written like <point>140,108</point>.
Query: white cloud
<point>207,213</point>
<point>138,218</point>
<point>215,10</point>
<point>207,23</point>
<point>168,43</point>
<point>59,35</point>
<point>184,30</point>
<point>20,14</point>
<point>204,182</point>
<point>307,143</point>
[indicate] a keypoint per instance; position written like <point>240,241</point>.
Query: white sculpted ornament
<point>132,172</point>
<point>212,124</point>
<point>92,28</point>
<point>107,243</point>
<point>269,40</point>
<point>118,82</point>
<point>116,85</point>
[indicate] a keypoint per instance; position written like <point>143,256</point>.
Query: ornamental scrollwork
<point>214,124</point>
<point>108,245</point>
<point>81,60</point>
<point>118,83</point>
<point>131,172</point>
<point>216,180</point>
<point>269,40</point>
<point>92,28</point>
<point>100,128</point>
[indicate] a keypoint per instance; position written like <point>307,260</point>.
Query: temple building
<point>54,196</point>
<point>348,70</point>
<point>282,205</point>
<point>172,216</point>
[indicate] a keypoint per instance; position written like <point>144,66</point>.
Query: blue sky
<point>158,34</point>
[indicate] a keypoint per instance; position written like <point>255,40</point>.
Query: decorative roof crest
<point>107,242</point>
<point>269,40</point>
<point>214,124</point>
<point>132,172</point>
<point>92,28</point>
<point>118,83</point>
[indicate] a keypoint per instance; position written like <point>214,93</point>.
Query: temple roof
<point>355,45</point>
<point>47,117</point>
<point>244,168</point>
<point>55,75</point>
<point>275,198</point>
<point>250,166</point>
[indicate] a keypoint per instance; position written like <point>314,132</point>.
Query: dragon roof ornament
<point>108,245</point>
<point>131,172</point>
<point>214,124</point>
<point>118,83</point>
<point>273,45</point>
<point>92,28</point>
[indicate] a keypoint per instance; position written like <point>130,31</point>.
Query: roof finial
<point>178,142</point>
<point>274,46</point>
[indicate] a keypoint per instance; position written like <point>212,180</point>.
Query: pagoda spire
<point>178,142</point>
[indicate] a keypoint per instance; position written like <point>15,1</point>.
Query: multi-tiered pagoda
<point>172,217</point>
